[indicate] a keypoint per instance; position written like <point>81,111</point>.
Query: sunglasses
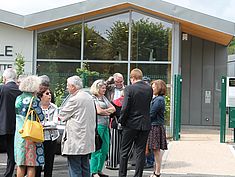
<point>48,93</point>
<point>101,83</point>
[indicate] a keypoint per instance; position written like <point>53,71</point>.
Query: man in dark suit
<point>8,93</point>
<point>136,122</point>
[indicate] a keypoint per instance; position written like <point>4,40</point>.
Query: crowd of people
<point>129,120</point>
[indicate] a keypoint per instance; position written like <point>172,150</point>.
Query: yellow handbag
<point>32,129</point>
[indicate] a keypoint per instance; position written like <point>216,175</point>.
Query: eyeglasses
<point>118,82</point>
<point>48,93</point>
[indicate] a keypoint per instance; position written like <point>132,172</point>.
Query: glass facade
<point>107,38</point>
<point>155,71</point>
<point>58,72</point>
<point>107,42</point>
<point>151,39</point>
<point>62,43</point>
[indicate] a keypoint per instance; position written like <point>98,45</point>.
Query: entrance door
<point>203,64</point>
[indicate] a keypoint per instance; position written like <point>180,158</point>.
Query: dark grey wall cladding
<point>185,71</point>
<point>203,64</point>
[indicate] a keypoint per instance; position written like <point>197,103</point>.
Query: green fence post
<point>84,79</point>
<point>223,110</point>
<point>179,101</point>
<point>177,107</point>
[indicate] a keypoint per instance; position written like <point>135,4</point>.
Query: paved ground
<point>197,154</point>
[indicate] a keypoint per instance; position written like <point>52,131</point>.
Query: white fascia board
<point>94,5</point>
<point>69,11</point>
<point>11,18</point>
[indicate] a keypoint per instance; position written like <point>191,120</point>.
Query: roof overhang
<point>191,22</point>
<point>11,19</point>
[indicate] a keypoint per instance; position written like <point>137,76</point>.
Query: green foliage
<point>85,74</point>
<point>168,108</point>
<point>85,70</point>
<point>231,47</point>
<point>60,43</point>
<point>147,37</point>
<point>59,93</point>
<point>118,39</point>
<point>19,63</point>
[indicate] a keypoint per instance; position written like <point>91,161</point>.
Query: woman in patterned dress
<point>157,134</point>
<point>27,153</point>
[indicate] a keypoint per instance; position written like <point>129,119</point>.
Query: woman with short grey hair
<point>30,84</point>
<point>28,154</point>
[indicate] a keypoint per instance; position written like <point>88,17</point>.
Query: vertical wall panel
<point>220,70</point>
<point>196,82</point>
<point>185,71</point>
<point>208,83</point>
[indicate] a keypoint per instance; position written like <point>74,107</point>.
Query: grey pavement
<point>199,153</point>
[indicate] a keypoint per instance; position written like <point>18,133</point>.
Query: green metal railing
<point>177,107</point>
<point>223,110</point>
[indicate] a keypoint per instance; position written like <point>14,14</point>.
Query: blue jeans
<point>78,165</point>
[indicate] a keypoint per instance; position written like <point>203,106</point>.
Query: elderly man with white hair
<point>8,93</point>
<point>78,140</point>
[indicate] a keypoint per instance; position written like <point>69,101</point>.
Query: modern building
<point>231,66</point>
<point>112,36</point>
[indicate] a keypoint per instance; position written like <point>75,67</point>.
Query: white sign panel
<point>207,96</point>
<point>230,92</point>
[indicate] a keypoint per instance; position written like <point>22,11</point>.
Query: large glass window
<point>62,43</point>
<point>107,38</point>
<point>151,39</point>
<point>155,71</point>
<point>58,72</point>
<point>106,47</point>
<point>108,69</point>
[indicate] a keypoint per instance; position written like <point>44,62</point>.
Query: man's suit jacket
<point>135,112</point>
<point>8,94</point>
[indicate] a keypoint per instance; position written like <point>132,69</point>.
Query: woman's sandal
<point>154,175</point>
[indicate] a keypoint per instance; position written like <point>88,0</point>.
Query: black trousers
<point>49,155</point>
<point>8,140</point>
<point>139,138</point>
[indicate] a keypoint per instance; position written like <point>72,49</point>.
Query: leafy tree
<point>168,108</point>
<point>60,43</point>
<point>19,63</point>
<point>59,93</point>
<point>231,47</point>
<point>118,40</point>
<point>147,37</point>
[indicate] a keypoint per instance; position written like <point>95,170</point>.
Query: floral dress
<point>27,153</point>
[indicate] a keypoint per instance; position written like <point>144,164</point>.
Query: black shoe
<point>103,175</point>
<point>112,168</point>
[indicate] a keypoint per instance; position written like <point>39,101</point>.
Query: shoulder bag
<point>32,129</point>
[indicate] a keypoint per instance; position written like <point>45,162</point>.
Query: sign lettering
<point>6,51</point>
